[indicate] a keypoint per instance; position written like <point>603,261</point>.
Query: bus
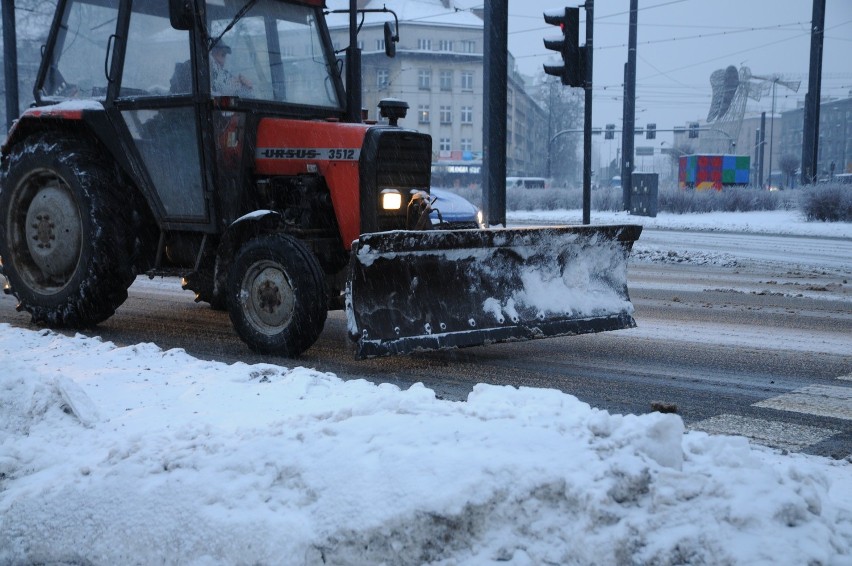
<point>526,182</point>
<point>843,178</point>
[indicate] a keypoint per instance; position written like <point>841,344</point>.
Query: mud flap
<point>410,291</point>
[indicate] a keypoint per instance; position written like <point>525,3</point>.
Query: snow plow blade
<point>431,290</point>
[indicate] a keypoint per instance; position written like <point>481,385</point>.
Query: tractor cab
<point>263,51</point>
<point>181,91</point>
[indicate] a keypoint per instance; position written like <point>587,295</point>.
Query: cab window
<point>76,67</point>
<point>274,51</point>
<point>157,59</point>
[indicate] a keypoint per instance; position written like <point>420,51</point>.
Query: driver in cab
<point>222,81</point>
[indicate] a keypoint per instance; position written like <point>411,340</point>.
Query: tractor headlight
<point>391,199</point>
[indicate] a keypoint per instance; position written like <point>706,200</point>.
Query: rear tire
<point>276,298</point>
<point>63,240</point>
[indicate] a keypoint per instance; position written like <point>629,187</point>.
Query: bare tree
<point>678,150</point>
<point>32,22</point>
<point>789,165</point>
<point>565,111</point>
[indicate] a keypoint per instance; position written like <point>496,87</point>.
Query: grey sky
<point>681,42</point>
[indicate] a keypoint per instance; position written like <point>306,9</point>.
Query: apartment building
<point>835,136</point>
<point>438,71</point>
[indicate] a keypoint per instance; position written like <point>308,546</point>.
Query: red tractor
<point>214,139</point>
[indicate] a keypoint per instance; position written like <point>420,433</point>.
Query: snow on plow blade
<point>432,290</point>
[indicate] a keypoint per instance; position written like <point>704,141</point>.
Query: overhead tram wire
<point>776,27</point>
<point>728,31</point>
<point>642,9</point>
<point>705,35</point>
<point>747,50</point>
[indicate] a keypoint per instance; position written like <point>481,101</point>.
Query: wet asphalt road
<point>740,345</point>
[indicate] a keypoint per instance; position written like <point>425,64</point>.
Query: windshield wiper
<point>239,15</point>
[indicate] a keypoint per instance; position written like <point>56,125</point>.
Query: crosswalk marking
<point>830,401</point>
<point>774,434</point>
<point>820,400</point>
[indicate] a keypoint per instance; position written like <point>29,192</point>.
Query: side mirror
<point>390,40</point>
<point>180,14</point>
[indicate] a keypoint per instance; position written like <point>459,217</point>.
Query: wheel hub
<point>269,299</point>
<point>54,231</point>
<point>44,231</point>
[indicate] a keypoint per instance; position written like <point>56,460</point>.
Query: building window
<point>467,114</point>
<point>446,114</point>
<point>380,45</point>
<point>423,114</point>
<point>445,144</point>
<point>468,46</point>
<point>467,80</point>
<point>445,45</point>
<point>424,44</point>
<point>382,78</point>
<point>446,80</point>
<point>466,144</point>
<point>424,79</point>
<point>360,44</point>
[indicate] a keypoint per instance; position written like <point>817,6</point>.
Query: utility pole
<point>550,130</point>
<point>761,151</point>
<point>755,182</point>
<point>810,130</point>
<point>772,128</point>
<point>10,62</point>
<point>587,115</point>
<point>496,68</point>
<point>629,114</point>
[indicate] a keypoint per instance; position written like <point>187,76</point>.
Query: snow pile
<point>137,455</point>
<point>650,254</point>
<point>787,222</point>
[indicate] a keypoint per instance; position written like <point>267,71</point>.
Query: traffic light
<point>610,132</point>
<point>573,70</point>
<point>693,129</point>
<point>651,132</point>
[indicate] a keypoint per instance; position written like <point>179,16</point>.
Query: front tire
<point>63,244</point>
<point>277,299</point>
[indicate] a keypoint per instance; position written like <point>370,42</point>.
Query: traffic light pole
<point>587,121</point>
<point>629,113</point>
<point>494,110</point>
<point>657,130</point>
<point>575,71</point>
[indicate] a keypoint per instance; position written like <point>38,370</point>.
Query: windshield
<point>270,50</point>
<point>76,65</point>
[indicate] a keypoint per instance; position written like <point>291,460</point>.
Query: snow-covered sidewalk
<point>136,455</point>
<point>783,222</point>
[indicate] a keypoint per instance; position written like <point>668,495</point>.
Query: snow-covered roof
<point>469,4</point>
<point>454,13</point>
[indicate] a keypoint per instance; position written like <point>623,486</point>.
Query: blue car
<point>452,212</point>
